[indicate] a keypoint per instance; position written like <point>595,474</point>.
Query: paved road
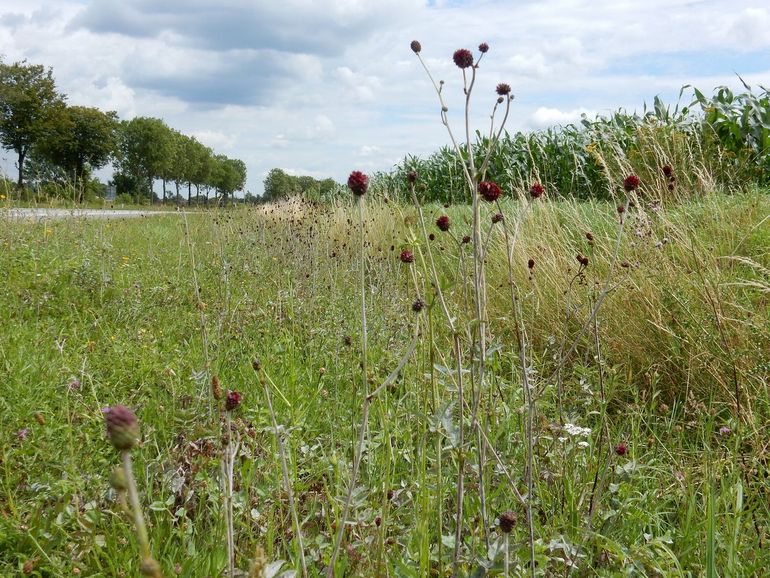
<point>43,213</point>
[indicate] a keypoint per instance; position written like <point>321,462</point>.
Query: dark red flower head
<point>631,183</point>
<point>536,190</point>
<point>463,58</point>
<point>418,305</point>
<point>358,183</point>
<point>582,259</point>
<point>507,521</point>
<point>443,223</point>
<point>412,176</point>
<point>483,47</point>
<point>668,170</point>
<point>233,400</point>
<point>490,191</point>
<point>621,449</point>
<point>122,427</point>
<point>466,239</point>
<point>531,263</point>
<point>503,89</point>
<point>497,218</point>
<point>407,256</point>
<point>415,46</point>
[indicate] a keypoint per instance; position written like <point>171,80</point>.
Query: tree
<point>145,149</point>
<point>278,185</point>
<point>28,102</point>
<point>80,139</point>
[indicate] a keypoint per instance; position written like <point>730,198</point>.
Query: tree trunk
<point>189,188</point>
<point>152,195</point>
<point>164,191</point>
<point>20,182</point>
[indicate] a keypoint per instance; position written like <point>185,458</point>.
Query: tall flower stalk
<point>123,433</point>
<point>477,331</point>
<point>358,184</point>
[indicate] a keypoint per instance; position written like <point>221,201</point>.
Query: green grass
<point>96,313</point>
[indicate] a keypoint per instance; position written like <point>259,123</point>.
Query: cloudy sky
<point>322,87</point>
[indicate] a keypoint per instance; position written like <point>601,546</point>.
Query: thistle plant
<point>123,432</point>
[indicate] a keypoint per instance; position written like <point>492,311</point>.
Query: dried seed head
<point>507,521</point>
<point>216,387</point>
<point>412,176</point>
<point>590,237</point>
<point>256,364</point>
<point>418,305</point>
<point>122,427</point>
<point>497,218</point>
<point>668,170</point>
<point>503,89</point>
<point>463,58</point>
<point>500,100</point>
<point>531,263</point>
<point>582,259</point>
<point>358,183</point>
<point>415,46</point>
<point>483,47</point>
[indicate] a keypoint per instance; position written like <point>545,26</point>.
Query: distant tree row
<point>64,144</point>
<point>281,185</point>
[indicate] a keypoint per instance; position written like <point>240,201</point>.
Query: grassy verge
<point>658,469</point>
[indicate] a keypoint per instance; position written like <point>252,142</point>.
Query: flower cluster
<point>536,190</point>
<point>463,58</point>
<point>233,400</point>
<point>631,183</point>
<point>358,183</point>
<point>122,427</point>
<point>490,191</point>
<point>503,89</point>
<point>443,223</point>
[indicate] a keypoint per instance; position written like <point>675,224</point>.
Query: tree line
<point>59,146</point>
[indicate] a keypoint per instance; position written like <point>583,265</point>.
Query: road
<point>44,213</point>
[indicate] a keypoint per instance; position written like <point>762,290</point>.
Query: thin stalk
<point>286,482</point>
<point>360,446</point>
<point>149,566</point>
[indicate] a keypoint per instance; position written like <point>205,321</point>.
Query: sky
<point>323,87</point>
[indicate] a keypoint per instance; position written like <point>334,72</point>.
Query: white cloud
<point>544,117</point>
